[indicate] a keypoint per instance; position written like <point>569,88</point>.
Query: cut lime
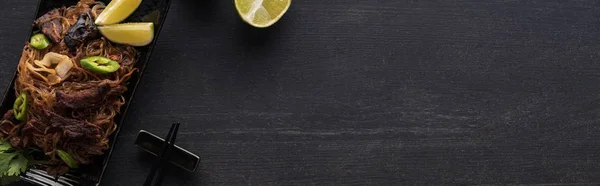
<point>135,34</point>
<point>261,13</point>
<point>117,11</point>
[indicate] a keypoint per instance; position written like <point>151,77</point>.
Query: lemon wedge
<point>134,34</point>
<point>117,11</point>
<point>261,13</point>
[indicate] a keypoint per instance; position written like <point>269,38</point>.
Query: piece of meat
<point>86,98</point>
<point>83,30</point>
<point>83,152</point>
<point>50,25</point>
<point>19,142</point>
<point>72,128</point>
<point>33,127</point>
<point>25,142</point>
<point>89,148</point>
<point>15,141</point>
<point>41,142</point>
<point>10,115</point>
<point>6,127</point>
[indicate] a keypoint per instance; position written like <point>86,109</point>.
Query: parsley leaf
<point>13,162</point>
<point>17,165</point>
<point>5,159</point>
<point>5,146</point>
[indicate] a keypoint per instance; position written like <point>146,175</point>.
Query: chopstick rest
<point>179,157</point>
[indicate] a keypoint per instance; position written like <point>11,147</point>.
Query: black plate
<point>150,10</point>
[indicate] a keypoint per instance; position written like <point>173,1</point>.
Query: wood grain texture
<point>381,92</point>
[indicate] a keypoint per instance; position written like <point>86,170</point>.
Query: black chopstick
<point>166,157</point>
<point>158,166</point>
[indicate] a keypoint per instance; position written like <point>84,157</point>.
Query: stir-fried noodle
<point>69,108</point>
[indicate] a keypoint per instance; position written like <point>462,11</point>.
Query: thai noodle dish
<point>69,88</point>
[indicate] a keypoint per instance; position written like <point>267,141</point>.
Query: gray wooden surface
<point>367,93</point>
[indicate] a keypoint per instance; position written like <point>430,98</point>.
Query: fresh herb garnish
<point>13,162</point>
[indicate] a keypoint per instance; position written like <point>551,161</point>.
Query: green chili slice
<point>20,107</point>
<point>67,158</point>
<point>100,64</point>
<point>39,41</point>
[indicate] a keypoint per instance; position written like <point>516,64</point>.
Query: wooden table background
<point>375,92</point>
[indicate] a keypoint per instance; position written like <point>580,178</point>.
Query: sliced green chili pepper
<point>67,158</point>
<point>20,107</point>
<point>39,41</point>
<point>100,64</point>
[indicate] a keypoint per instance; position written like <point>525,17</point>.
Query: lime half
<point>135,34</point>
<point>117,11</point>
<point>262,13</point>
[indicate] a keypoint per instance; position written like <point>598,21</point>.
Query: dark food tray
<point>150,10</point>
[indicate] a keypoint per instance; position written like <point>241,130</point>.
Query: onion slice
<point>63,67</point>
<point>59,73</point>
